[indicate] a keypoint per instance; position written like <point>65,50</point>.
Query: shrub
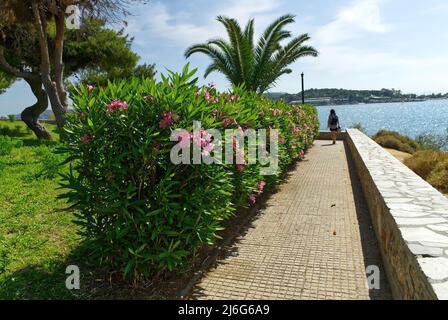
<point>439,176</point>
<point>11,132</point>
<point>430,141</point>
<point>143,213</point>
<point>7,144</point>
<point>359,126</point>
<point>50,162</point>
<point>394,140</point>
<point>424,162</point>
<point>11,117</point>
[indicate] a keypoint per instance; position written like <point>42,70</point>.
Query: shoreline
<point>376,102</point>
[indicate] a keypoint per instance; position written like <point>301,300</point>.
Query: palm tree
<point>258,67</point>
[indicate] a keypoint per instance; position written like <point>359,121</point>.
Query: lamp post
<point>303,90</point>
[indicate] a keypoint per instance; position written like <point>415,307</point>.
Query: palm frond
<point>218,58</point>
<point>270,42</point>
<point>236,39</point>
<point>286,56</point>
<point>254,67</point>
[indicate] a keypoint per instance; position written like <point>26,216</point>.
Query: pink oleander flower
<point>302,154</point>
<point>225,122</point>
<point>184,138</point>
<point>207,149</point>
<point>166,121</point>
<point>235,143</point>
<point>295,130</point>
<point>90,88</point>
<point>276,111</point>
<point>281,139</point>
<point>239,151</point>
<point>210,98</point>
<point>203,139</point>
<point>117,105</point>
<point>240,167</point>
<point>85,138</point>
<point>305,126</point>
<point>251,199</point>
<point>261,185</point>
<point>234,98</point>
<point>147,98</point>
<point>289,113</point>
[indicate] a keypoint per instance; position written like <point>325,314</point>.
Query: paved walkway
<point>312,241</point>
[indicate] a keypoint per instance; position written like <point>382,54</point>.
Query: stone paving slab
<point>312,241</point>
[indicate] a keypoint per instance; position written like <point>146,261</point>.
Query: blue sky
<point>363,44</point>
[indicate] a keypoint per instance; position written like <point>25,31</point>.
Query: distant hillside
<point>344,96</point>
<point>46,115</point>
<point>275,95</point>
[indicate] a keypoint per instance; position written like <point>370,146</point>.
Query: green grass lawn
<point>37,236</point>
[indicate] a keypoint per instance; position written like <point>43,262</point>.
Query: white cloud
<point>356,52</point>
<point>247,9</point>
<point>351,22</point>
<point>162,24</point>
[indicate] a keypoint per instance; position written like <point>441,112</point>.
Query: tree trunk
<point>45,68</point>
<point>31,114</point>
<point>58,61</point>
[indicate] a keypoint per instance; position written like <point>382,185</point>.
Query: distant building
<point>322,100</point>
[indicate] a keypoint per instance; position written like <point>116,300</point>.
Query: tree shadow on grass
<point>45,281</point>
<point>13,132</point>
<point>48,282</point>
<point>36,143</point>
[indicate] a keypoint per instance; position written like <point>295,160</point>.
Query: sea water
<point>408,118</point>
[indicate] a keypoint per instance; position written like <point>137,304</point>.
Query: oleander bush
<point>144,214</point>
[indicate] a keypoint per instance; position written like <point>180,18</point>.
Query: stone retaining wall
<point>326,135</point>
<point>410,219</point>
